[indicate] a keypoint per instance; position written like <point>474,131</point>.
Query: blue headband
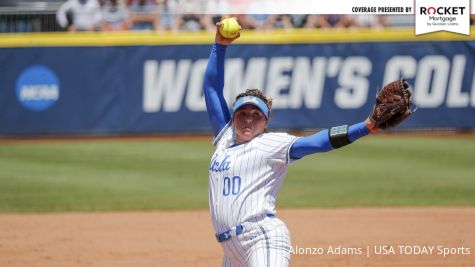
<point>251,100</point>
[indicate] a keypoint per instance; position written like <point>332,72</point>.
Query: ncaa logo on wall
<point>446,15</point>
<point>37,88</point>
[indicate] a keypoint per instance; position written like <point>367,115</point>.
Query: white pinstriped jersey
<point>244,180</point>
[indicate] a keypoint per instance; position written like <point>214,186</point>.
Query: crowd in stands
<point>181,15</point>
<point>173,15</point>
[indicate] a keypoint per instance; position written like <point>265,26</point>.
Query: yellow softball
<point>229,27</point>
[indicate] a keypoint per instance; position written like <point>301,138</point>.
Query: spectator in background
<point>328,21</point>
<point>298,20</point>
<point>472,19</point>
<point>85,15</point>
<point>334,21</point>
<point>312,21</point>
<point>260,21</point>
<point>215,9</point>
<point>279,22</point>
<point>167,12</point>
<point>288,21</point>
<point>143,15</point>
<point>114,16</point>
<point>244,21</point>
<point>256,18</point>
<point>368,21</point>
<point>308,21</point>
<point>188,18</point>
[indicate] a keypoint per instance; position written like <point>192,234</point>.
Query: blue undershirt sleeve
<point>216,105</point>
<point>320,141</point>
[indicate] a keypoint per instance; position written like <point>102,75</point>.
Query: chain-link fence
<point>28,16</point>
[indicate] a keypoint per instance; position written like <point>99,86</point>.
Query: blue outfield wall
<point>158,88</point>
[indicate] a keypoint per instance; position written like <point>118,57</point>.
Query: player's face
<point>249,122</point>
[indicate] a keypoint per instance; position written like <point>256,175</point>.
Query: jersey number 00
<point>231,186</point>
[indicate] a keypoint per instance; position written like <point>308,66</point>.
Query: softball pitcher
<point>249,164</point>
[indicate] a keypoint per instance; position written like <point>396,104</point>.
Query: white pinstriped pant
<point>265,243</point>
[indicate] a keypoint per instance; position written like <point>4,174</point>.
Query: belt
<point>235,231</point>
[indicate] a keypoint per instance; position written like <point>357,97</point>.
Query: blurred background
<point>87,68</point>
<point>173,15</point>
<point>136,66</point>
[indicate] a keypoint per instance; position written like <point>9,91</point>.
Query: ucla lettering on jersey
<point>244,180</point>
<point>219,165</point>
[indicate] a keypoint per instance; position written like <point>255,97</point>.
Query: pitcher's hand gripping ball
<point>392,105</point>
<point>229,27</point>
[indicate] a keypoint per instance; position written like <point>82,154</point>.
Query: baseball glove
<point>392,105</point>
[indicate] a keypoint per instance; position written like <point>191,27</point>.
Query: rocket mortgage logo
<point>447,15</point>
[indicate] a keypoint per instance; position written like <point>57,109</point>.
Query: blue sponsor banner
<point>158,89</point>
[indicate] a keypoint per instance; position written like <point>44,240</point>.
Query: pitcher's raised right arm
<point>218,111</point>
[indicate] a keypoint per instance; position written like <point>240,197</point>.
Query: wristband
<point>339,136</point>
